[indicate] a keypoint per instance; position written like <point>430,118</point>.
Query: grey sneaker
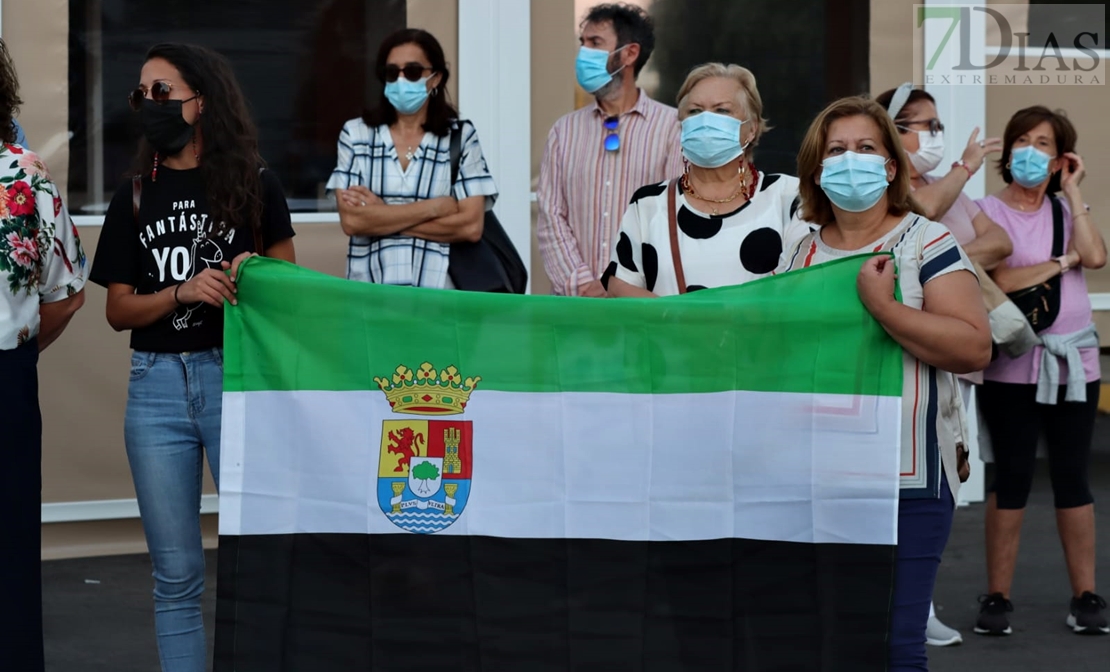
<point>992,615</point>
<point>1086,617</point>
<point>939,634</point>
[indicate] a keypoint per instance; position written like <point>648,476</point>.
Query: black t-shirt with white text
<point>173,241</point>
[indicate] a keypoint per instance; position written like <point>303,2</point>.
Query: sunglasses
<point>159,93</point>
<point>612,140</point>
<point>412,72</point>
<point>934,126</point>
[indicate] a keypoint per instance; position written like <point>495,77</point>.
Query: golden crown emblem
<point>427,391</point>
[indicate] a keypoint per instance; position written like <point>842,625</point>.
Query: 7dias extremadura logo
<point>1010,45</point>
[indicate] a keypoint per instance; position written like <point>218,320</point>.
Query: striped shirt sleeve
<point>940,253</point>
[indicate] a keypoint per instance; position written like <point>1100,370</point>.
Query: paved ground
<point>107,625</point>
<point>1041,642</point>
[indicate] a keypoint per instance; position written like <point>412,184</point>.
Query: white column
<point>962,107</point>
<point>94,107</point>
<point>495,94</point>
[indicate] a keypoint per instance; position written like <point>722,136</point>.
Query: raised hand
<point>1072,172</point>
<point>977,150</point>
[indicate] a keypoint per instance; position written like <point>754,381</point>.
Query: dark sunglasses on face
<point>159,93</point>
<point>934,125</point>
<point>612,140</point>
<point>412,71</point>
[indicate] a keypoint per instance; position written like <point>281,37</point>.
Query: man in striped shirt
<point>598,156</point>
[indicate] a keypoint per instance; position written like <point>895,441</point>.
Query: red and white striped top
<point>584,190</point>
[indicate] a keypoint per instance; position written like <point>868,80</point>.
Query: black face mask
<point>164,127</point>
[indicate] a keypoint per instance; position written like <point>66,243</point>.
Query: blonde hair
<point>751,100</point>
<point>815,205</point>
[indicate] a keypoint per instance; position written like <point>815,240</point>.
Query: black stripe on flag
<point>422,603</point>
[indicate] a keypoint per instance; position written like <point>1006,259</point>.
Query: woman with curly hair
<point>201,202</point>
<point>42,279</point>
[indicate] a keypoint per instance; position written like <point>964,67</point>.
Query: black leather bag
<point>1041,303</point>
<point>492,264</point>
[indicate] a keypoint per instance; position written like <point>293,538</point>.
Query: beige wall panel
<point>552,89</point>
<point>891,54</point>
<point>61,541</point>
<point>40,50</point>
<point>440,18</point>
<point>83,380</point>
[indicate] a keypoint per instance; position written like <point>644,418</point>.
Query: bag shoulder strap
<point>456,152</point>
<point>136,195</point>
<point>672,226</point>
<point>1057,226</point>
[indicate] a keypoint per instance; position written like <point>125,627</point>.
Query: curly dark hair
<point>230,162</point>
<point>632,24</point>
<point>440,110</point>
<point>9,94</point>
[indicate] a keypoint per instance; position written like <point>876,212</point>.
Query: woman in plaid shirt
<point>392,179</point>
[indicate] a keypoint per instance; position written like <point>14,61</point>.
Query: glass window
<point>305,68</point>
<point>1064,21</point>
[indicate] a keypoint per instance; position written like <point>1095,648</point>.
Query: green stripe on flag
<point>806,331</point>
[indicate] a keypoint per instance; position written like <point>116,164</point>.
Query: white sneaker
<point>939,634</point>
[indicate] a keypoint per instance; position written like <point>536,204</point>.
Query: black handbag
<point>492,264</point>
<point>1041,303</point>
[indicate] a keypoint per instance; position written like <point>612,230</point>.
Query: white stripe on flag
<point>680,467</point>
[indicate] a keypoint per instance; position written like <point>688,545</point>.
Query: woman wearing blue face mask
<point>393,175</point>
<point>728,220</point>
<point>854,184</point>
<point>1051,391</point>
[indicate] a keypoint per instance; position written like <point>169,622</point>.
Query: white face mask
<point>930,151</point>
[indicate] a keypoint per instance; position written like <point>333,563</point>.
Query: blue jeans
<point>173,418</point>
<point>923,528</point>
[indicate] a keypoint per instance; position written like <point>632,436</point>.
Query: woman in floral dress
<point>42,276</point>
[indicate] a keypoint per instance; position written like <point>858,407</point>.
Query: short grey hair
<point>748,95</point>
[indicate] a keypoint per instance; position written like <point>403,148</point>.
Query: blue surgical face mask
<point>592,68</point>
<point>854,182</point>
<point>1029,166</point>
<point>711,140</point>
<point>407,97</point>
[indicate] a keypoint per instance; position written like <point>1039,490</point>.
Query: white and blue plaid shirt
<point>367,156</point>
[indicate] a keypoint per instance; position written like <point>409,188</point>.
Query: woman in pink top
<point>1038,392</point>
<point>914,112</point>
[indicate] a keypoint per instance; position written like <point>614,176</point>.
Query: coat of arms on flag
<point>424,465</point>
